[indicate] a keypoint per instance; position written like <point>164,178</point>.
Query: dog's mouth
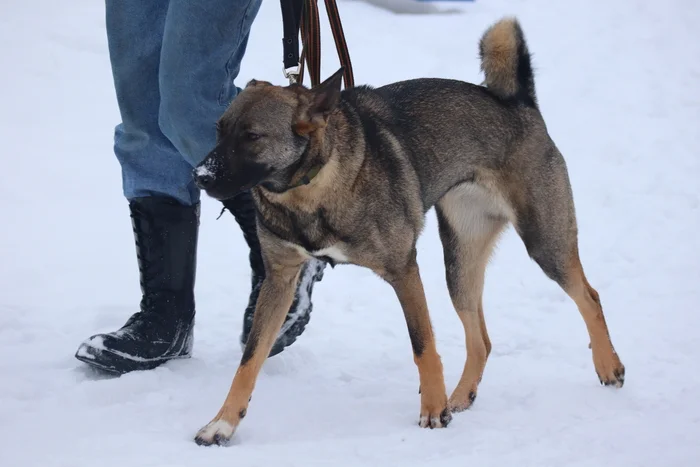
<point>224,186</point>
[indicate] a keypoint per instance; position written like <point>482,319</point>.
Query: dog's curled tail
<point>505,61</point>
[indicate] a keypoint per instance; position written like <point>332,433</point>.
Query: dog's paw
<point>610,370</point>
<point>435,420</point>
<point>217,432</point>
<point>460,403</point>
<point>616,377</point>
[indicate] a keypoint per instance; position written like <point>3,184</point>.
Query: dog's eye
<point>251,136</point>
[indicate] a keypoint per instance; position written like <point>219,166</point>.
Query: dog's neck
<point>314,173</point>
<point>318,171</point>
<point>305,175</point>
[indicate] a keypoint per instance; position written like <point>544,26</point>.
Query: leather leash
<point>303,15</point>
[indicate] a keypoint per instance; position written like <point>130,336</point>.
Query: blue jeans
<point>174,63</point>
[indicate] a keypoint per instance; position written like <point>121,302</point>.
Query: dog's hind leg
<point>468,235</point>
<point>546,222</point>
<point>408,286</point>
<point>610,370</point>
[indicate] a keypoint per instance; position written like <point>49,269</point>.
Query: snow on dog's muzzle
<point>224,179</point>
<point>204,177</point>
<point>205,174</point>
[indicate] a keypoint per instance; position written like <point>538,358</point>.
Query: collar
<point>308,176</point>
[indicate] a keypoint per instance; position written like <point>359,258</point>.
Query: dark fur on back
<point>420,124</point>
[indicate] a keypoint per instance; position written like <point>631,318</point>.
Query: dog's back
<point>451,130</point>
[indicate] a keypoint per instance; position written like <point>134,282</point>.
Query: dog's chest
<point>311,233</point>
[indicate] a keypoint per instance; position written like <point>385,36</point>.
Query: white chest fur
<point>334,252</point>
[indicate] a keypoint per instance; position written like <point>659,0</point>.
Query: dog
<point>348,177</point>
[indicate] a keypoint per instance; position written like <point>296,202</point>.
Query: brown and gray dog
<point>349,177</point>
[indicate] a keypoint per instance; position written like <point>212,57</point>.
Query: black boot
<point>166,247</point>
<point>243,210</point>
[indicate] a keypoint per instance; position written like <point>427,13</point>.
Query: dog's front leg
<point>409,289</point>
<point>276,296</point>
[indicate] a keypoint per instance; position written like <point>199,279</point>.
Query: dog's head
<point>265,135</point>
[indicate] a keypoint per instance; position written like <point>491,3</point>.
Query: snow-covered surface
<point>618,83</point>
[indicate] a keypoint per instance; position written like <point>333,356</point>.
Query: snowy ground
<point>618,83</point>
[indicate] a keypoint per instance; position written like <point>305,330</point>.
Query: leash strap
<point>291,20</point>
<point>340,45</point>
<point>303,15</point>
<point>311,43</point>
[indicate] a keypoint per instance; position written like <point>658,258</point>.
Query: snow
<point>618,85</point>
<point>203,170</point>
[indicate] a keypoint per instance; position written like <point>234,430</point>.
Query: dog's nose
<point>203,177</point>
<point>204,180</point>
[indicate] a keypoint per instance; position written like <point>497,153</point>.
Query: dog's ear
<point>257,83</point>
<point>326,96</point>
<point>323,100</point>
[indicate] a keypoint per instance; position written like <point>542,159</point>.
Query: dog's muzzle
<point>203,177</point>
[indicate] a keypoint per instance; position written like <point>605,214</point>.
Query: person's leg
<point>162,200</point>
<point>151,165</point>
<point>203,46</point>
<point>173,69</point>
<point>197,74</point>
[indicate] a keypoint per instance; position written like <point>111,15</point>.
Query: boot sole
<point>123,365</point>
<point>289,335</point>
<point>118,363</point>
